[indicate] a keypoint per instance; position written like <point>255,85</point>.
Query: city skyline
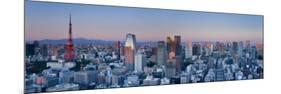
<point>113,23</point>
<point>126,62</point>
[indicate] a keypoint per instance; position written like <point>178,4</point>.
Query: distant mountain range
<point>81,41</point>
<point>75,41</point>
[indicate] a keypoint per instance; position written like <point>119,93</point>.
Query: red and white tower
<point>69,55</point>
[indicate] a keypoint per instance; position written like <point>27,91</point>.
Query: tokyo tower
<point>69,55</point>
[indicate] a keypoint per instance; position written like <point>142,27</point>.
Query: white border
<point>11,51</point>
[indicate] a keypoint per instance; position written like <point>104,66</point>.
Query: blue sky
<point>45,20</point>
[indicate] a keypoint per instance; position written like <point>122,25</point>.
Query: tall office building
<point>196,49</point>
<point>210,48</point>
<point>248,44</point>
<point>118,48</point>
<point>139,59</point>
<point>188,50</point>
<point>131,41</point>
<point>235,47</point>
<point>221,48</point>
<point>30,48</point>
<point>174,46</point>
<point>240,48</point>
<point>177,45</point>
<point>130,49</point>
<point>44,50</point>
<point>169,44</point>
<point>161,53</point>
<point>55,52</point>
<point>129,58</point>
<point>69,55</point>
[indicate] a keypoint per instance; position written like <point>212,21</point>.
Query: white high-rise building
<point>188,50</point>
<point>139,58</point>
<point>161,53</point>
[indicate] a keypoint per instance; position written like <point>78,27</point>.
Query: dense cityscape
<point>129,63</point>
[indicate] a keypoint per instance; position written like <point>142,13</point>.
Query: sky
<point>46,20</point>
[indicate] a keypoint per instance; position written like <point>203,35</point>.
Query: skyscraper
<point>130,49</point>
<point>196,49</point>
<point>118,49</point>
<point>169,44</point>
<point>30,48</point>
<point>221,48</point>
<point>188,50</point>
<point>161,53</point>
<point>131,41</point>
<point>240,48</point>
<point>177,45</point>
<point>235,47</point>
<point>69,55</point>
<point>44,50</point>
<point>209,49</point>
<point>139,59</point>
<point>248,46</point>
